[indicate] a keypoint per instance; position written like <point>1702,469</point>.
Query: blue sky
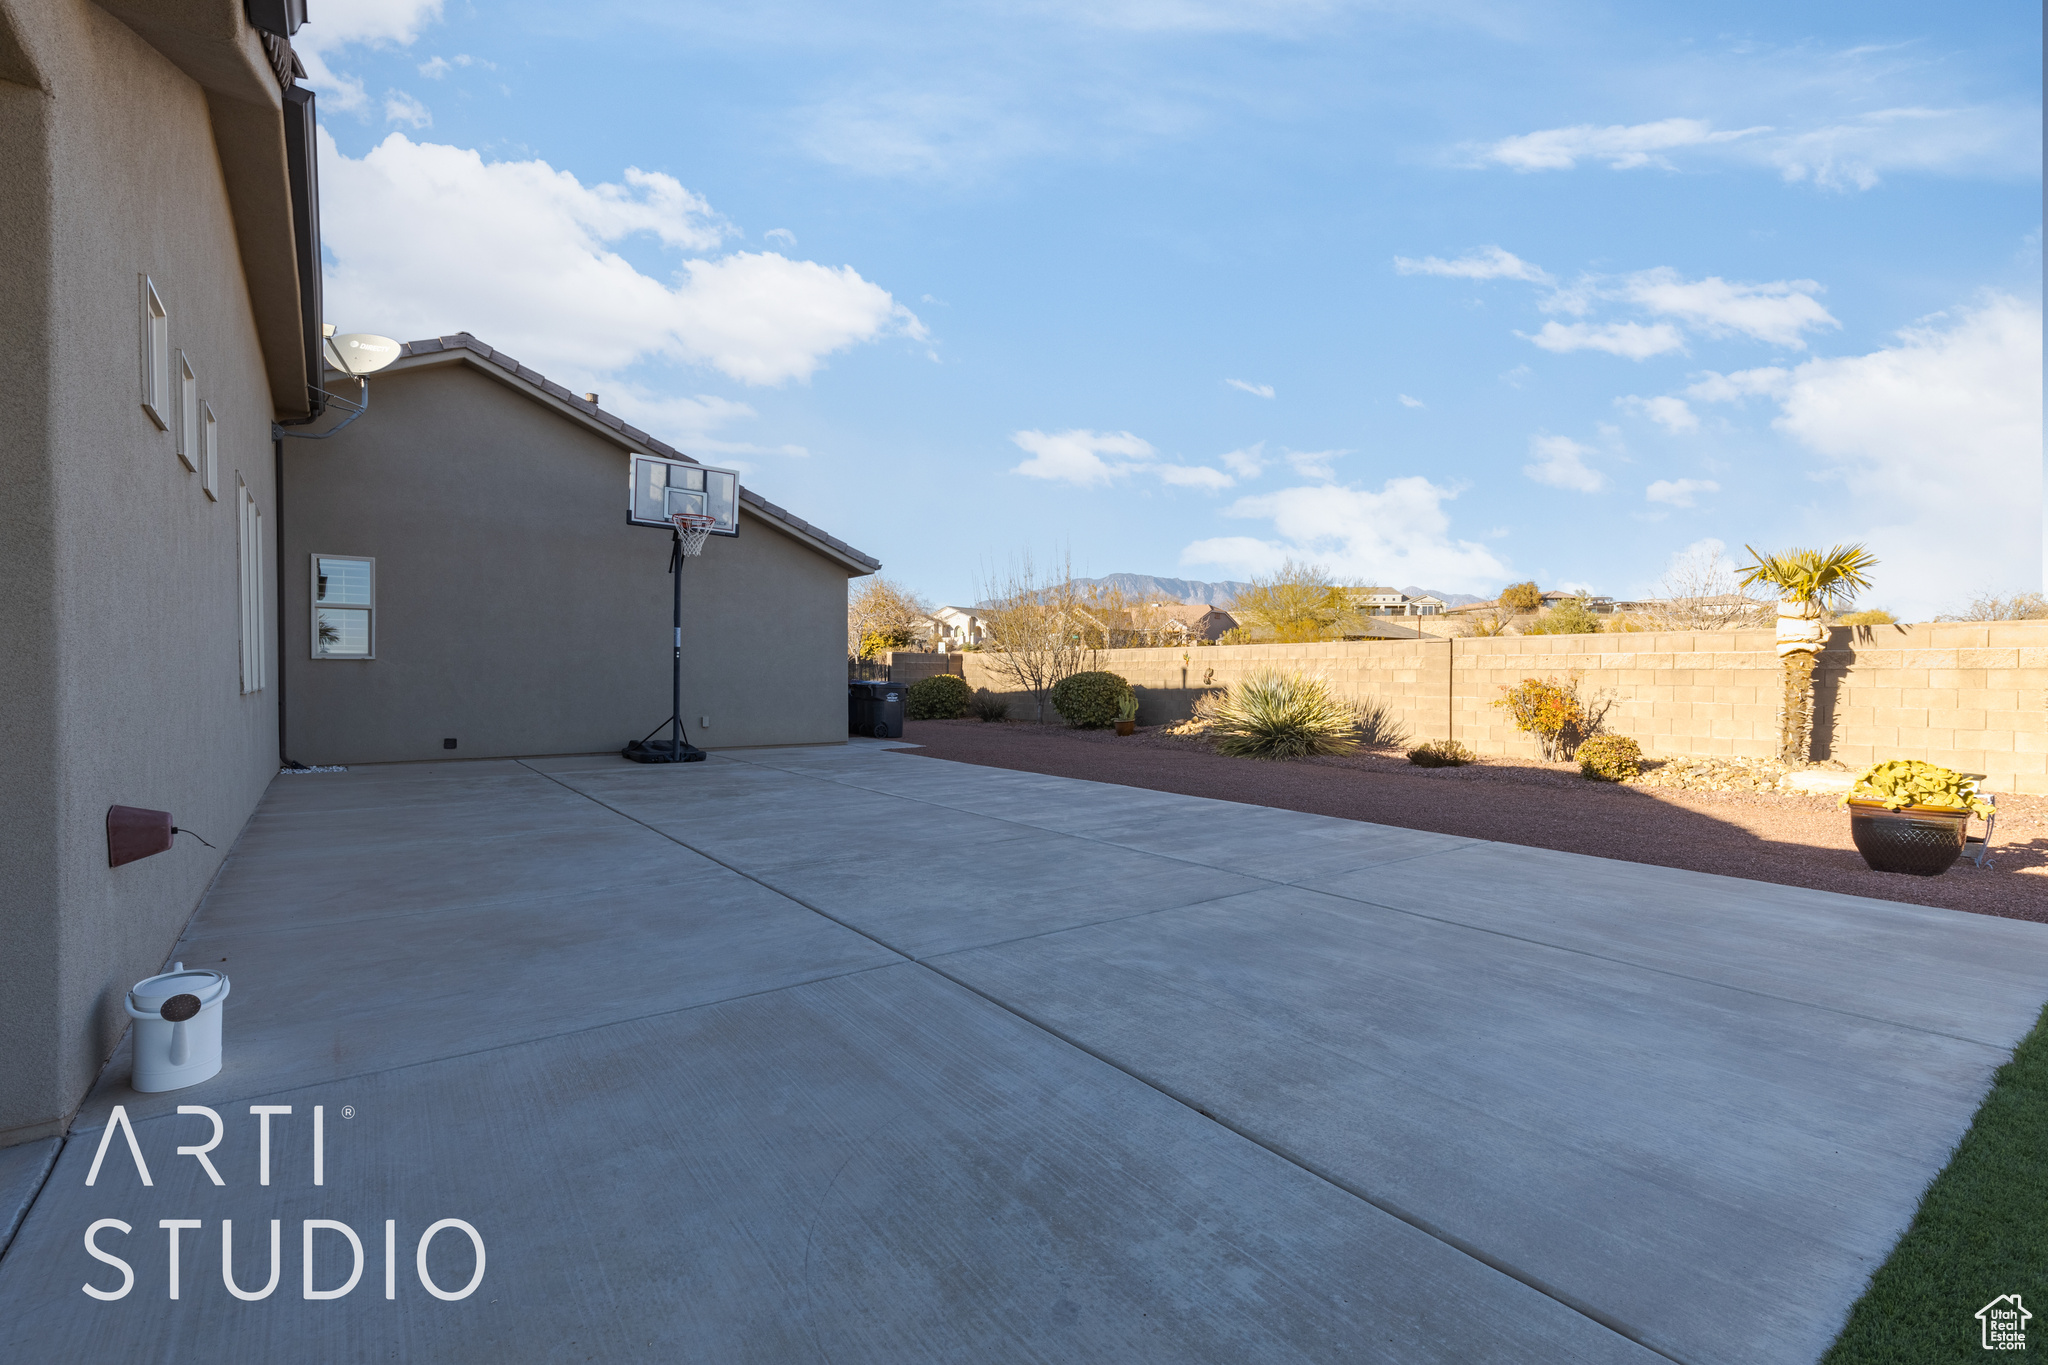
<point>1445,294</point>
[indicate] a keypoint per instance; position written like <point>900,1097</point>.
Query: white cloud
<point>1561,463</point>
<point>1729,388</point>
<point>1856,154</point>
<point>400,107</point>
<point>1670,413</point>
<point>1487,263</point>
<point>1936,446</point>
<point>1076,456</point>
<point>1846,154</point>
<point>1247,463</point>
<point>1623,148</point>
<point>522,255</point>
<point>1775,312</point>
<point>1094,459</point>
<point>1633,340</point>
<point>1399,534</point>
<point>1315,464</point>
<point>369,23</point>
<point>1408,402</point>
<point>1192,476</point>
<point>434,68</point>
<point>1679,492</point>
<point>1256,390</point>
<point>786,237</point>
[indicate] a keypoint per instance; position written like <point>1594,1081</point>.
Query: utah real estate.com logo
<point>2005,1323</point>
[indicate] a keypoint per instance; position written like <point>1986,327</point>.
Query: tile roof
<point>463,341</point>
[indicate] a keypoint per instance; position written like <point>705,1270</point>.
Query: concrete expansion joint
<point>930,964</point>
<point>2000,1049</point>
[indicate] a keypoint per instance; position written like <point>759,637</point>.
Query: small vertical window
<point>252,592</point>
<point>188,412</point>
<point>344,607</point>
<point>209,452</point>
<point>156,356</point>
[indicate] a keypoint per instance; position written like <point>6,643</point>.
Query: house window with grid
<point>156,355</point>
<point>344,607</point>
<point>253,651</point>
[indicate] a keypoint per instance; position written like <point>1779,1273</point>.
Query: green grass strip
<point>1982,1231</point>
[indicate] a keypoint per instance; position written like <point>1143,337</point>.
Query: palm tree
<point>1808,583</point>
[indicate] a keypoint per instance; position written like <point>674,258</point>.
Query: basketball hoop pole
<point>677,749</point>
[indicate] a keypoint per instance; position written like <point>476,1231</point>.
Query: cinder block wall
<point>1968,696</point>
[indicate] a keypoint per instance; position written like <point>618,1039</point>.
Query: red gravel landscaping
<point>1793,840</point>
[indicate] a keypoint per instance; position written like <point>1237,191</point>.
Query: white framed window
<point>252,590</point>
<point>188,412</point>
<point>156,355</point>
<point>209,452</point>
<point>344,607</point>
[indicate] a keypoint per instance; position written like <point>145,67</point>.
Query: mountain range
<point>1140,586</point>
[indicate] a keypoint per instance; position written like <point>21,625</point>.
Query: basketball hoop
<point>692,529</point>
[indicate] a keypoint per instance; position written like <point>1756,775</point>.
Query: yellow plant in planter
<point>1901,782</point>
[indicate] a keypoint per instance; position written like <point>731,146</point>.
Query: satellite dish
<point>360,353</point>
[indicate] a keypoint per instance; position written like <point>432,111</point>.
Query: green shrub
<point>940,697</point>
<point>1611,758</point>
<point>988,706</point>
<point>1089,701</point>
<point>1441,753</point>
<point>1566,618</point>
<point>1278,715</point>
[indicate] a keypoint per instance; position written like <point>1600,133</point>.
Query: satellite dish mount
<point>357,355</point>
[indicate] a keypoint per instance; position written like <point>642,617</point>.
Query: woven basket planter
<point>1919,841</point>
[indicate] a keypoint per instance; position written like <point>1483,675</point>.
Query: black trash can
<point>874,709</point>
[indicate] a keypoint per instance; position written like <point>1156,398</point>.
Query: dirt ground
<point>1795,840</point>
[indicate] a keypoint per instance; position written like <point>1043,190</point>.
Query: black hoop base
<point>661,751</point>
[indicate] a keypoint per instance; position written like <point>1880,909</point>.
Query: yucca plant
<point>1808,583</point>
<point>1278,715</point>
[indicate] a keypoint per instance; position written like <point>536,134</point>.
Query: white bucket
<point>170,1055</point>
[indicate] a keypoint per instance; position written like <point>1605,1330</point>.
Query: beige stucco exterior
<point>516,610</point>
<point>120,679</point>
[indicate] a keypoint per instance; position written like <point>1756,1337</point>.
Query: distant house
<point>1375,601</point>
<point>956,628</point>
<point>1172,623</point>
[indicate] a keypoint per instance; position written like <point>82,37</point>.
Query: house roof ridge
<point>466,341</point>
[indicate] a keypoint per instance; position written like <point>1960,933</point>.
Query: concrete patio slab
<point>1974,976</point>
<point>1141,1098</point>
<point>881,1168</point>
<point>1700,1167</point>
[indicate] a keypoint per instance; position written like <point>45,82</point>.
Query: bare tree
<point>1700,591</point>
<point>2021,606</point>
<point>1486,622</point>
<point>881,615</point>
<point>1036,630</point>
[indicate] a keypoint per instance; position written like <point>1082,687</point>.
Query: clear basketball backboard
<point>662,488</point>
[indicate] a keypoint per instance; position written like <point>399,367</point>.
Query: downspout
<point>302,166</point>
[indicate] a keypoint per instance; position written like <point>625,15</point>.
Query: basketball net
<point>692,529</point>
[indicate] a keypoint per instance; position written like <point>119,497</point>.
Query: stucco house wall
<point>120,678</point>
<point>516,610</point>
